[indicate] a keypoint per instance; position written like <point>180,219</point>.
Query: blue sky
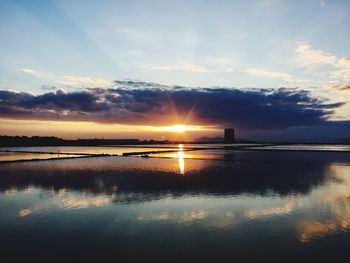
<point>70,45</point>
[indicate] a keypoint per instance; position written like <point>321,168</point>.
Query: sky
<point>273,70</point>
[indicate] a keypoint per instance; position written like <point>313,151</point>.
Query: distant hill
<point>218,140</point>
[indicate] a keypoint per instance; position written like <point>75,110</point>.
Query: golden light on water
<point>181,157</point>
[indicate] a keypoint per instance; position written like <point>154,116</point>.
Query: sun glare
<point>180,128</point>
<point>177,128</point>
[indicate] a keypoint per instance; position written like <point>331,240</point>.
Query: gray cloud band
<point>140,103</point>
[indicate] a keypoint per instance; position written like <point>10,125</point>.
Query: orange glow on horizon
<point>180,128</point>
<point>84,129</point>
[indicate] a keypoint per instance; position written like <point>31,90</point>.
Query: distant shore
<point>24,141</point>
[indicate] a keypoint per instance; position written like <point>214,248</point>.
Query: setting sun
<point>177,130</point>
<point>180,128</point>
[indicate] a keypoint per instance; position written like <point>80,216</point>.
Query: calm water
<point>15,156</point>
<point>245,206</point>
<point>91,149</point>
<point>308,147</point>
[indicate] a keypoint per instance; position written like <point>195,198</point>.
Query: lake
<point>198,206</point>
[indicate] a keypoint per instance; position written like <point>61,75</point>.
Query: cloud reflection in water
<point>67,200</point>
<point>336,197</point>
<point>309,200</point>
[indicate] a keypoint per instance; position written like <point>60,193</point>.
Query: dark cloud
<point>148,103</point>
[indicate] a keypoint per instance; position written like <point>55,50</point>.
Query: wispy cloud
<point>341,74</point>
<point>78,80</point>
<point>347,87</point>
<point>343,70</point>
<point>343,63</point>
<point>214,67</point>
<point>306,55</point>
<point>68,80</point>
<point>267,73</point>
<point>36,73</point>
<point>182,66</point>
<point>344,87</point>
<point>28,71</point>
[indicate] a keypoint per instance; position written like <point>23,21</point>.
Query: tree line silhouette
<point>16,141</point>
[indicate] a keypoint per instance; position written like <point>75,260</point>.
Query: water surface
<point>257,205</point>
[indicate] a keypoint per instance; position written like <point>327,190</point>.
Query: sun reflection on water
<point>181,157</point>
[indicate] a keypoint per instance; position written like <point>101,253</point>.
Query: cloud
<point>342,74</point>
<point>220,66</point>
<point>183,66</point>
<point>343,63</point>
<point>28,71</point>
<point>68,80</point>
<point>131,84</point>
<point>267,73</point>
<point>36,73</point>
<point>345,87</point>
<point>78,80</point>
<point>257,109</point>
<point>308,56</point>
